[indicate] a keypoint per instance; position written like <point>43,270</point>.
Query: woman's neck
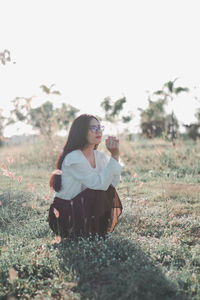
<point>88,150</point>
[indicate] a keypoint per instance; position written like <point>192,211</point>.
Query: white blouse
<point>78,174</point>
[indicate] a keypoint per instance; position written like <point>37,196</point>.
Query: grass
<point>154,252</point>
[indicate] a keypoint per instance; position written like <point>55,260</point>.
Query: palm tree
<point>169,92</point>
<point>153,118</point>
<point>112,111</point>
<point>45,118</point>
<point>48,90</point>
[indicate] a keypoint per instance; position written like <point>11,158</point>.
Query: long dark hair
<point>77,139</point>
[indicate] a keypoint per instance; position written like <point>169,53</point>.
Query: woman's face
<point>94,133</point>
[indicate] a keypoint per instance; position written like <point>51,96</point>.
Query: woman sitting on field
<point>86,202</point>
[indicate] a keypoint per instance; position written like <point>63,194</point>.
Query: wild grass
<point>154,252</point>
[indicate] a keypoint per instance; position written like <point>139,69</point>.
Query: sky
<point>93,49</point>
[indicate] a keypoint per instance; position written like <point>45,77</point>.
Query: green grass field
<point>154,252</point>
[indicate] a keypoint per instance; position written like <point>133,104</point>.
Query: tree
<point>169,92</point>
<point>193,129</point>
<point>65,114</point>
<point>47,119</point>
<point>112,111</point>
<point>48,90</point>
<point>152,118</point>
<point>5,57</point>
<point>43,118</point>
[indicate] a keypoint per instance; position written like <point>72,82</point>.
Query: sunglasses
<point>96,128</point>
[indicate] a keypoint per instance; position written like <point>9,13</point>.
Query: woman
<point>86,202</point>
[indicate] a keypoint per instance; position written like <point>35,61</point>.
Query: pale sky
<point>93,49</point>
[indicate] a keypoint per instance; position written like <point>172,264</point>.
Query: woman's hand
<point>112,144</point>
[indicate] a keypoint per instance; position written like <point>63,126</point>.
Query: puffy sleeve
<point>79,168</point>
<point>104,159</point>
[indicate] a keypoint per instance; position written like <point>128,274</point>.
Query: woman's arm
<point>116,179</point>
<point>112,144</point>
<point>103,161</point>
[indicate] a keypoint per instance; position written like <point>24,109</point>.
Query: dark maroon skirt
<point>91,212</point>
